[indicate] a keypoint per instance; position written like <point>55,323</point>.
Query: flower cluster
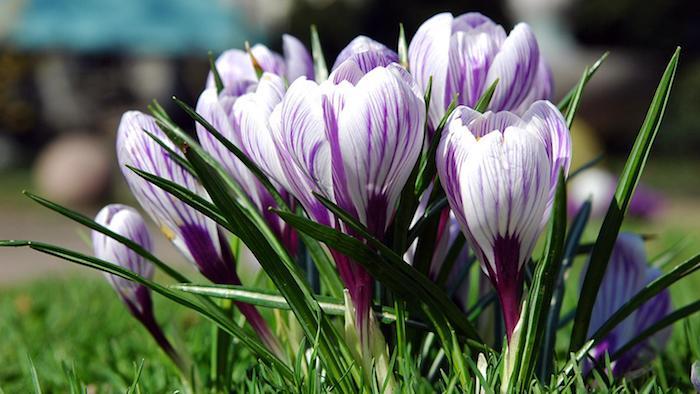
<point>355,139</point>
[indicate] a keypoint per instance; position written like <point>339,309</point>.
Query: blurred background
<point>70,68</point>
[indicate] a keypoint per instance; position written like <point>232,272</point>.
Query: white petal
<point>515,67</point>
<point>298,126</point>
<point>504,189</point>
<point>471,55</point>
<point>380,136</point>
<point>544,120</point>
<point>428,56</point>
<point>297,59</point>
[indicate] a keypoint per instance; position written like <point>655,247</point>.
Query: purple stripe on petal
<point>361,45</point>
<point>626,275</point>
<point>515,67</point>
<point>428,56</point>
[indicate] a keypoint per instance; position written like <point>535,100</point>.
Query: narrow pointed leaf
<point>217,77</point>
<point>403,47</point>
<point>573,238</point>
<point>320,258</point>
<point>320,68</point>
<point>268,299</point>
<point>387,267</point>
<point>618,206</point>
<point>575,100</point>
<point>542,288</point>
<point>84,220</point>
<point>485,99</point>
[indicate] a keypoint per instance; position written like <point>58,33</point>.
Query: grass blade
<point>388,268</point>
<point>572,240</point>
<point>35,377</point>
<point>213,314</point>
<point>279,266</point>
<point>623,194</point>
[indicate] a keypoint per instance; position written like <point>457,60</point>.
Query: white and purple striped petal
<point>466,54</point>
<point>354,141</point>
<point>195,236</point>
<point>626,275</point>
<point>362,45</point>
<point>379,133</point>
<point>515,66</point>
<point>429,59</point>
<point>128,223</point>
<point>496,171</point>
<point>218,109</point>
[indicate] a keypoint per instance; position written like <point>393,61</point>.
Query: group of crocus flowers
<point>354,139</point>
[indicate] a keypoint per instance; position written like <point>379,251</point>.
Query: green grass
<point>79,322</point>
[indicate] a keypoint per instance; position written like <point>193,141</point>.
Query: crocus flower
<point>217,109</point>
<point>499,172</point>
<point>237,69</point>
<point>353,139</point>
<point>626,275</point>
<point>197,237</point>
<point>464,55</point>
<point>363,44</point>
<point>128,223</point>
<point>599,185</point>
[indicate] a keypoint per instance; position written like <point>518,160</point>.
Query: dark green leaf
<point>618,206</point>
<point>215,72</point>
<point>572,240</point>
<point>138,249</point>
<point>540,293</point>
<point>387,267</point>
<point>485,100</point>
<point>575,99</point>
